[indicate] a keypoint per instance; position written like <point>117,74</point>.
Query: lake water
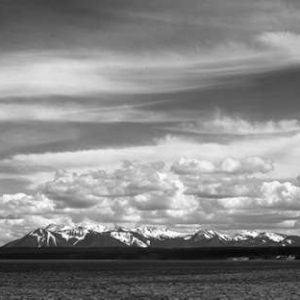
<point>149,280</point>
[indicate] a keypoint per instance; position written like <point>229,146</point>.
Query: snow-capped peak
<point>99,228</point>
<point>246,234</point>
<point>98,235</point>
<point>128,238</point>
<point>76,228</point>
<point>210,234</point>
<point>275,237</point>
<point>158,232</point>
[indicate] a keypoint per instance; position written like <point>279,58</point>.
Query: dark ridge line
<point>136,253</point>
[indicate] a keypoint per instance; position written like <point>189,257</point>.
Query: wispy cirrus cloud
<point>286,42</point>
<point>47,73</point>
<point>234,125</point>
<point>228,165</point>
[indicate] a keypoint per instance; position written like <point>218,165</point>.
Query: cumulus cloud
<point>248,165</point>
<point>279,197</point>
<point>144,187</point>
<point>157,192</point>
<point>231,193</point>
<point>193,166</point>
<point>13,206</point>
<point>284,195</point>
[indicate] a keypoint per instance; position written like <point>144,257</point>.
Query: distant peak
<point>158,231</point>
<point>209,234</point>
<point>97,234</point>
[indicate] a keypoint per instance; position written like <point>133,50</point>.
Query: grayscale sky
<point>161,112</point>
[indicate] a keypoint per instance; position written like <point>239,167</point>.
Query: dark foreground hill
<point>207,253</point>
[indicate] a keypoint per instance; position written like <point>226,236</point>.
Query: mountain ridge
<point>100,235</point>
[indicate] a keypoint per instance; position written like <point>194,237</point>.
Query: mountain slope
<point>146,236</point>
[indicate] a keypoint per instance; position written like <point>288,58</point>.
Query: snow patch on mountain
<point>43,237</point>
<point>211,234</point>
<point>158,232</point>
<point>275,237</point>
<point>147,235</point>
<point>245,235</point>
<point>128,239</point>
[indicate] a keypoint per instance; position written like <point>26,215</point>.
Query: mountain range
<point>146,236</point>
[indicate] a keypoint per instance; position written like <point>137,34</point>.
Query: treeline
<point>152,253</point>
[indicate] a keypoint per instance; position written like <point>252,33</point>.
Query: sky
<point>150,112</point>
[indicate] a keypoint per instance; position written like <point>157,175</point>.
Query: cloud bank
<point>188,191</point>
